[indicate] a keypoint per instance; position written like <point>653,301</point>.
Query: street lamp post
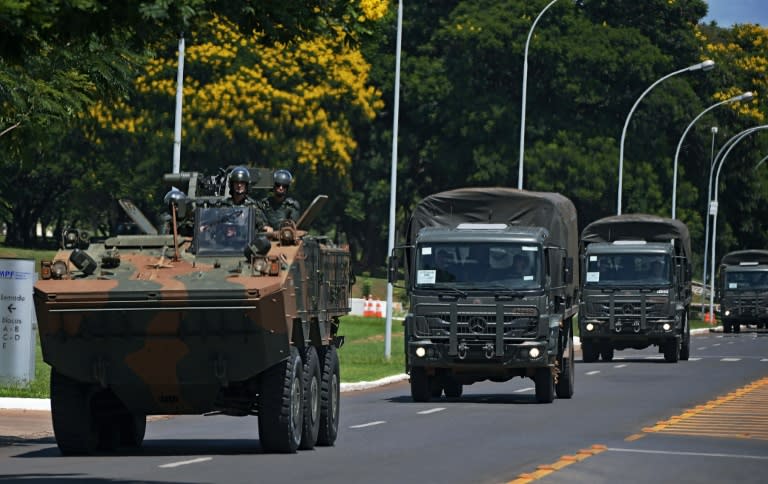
<point>746,96</point>
<point>707,216</point>
<point>704,66</point>
<point>393,181</point>
<point>525,89</point>
<point>731,143</point>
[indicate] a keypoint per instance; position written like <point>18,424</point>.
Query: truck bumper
<point>436,354</point>
<point>630,331</point>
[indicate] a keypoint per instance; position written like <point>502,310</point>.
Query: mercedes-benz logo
<point>477,325</point>
<point>628,309</point>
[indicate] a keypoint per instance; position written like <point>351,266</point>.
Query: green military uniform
<point>273,212</point>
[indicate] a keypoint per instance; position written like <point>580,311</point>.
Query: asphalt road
<point>635,419</point>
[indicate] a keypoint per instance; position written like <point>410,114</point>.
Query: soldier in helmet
<point>239,180</point>
<point>279,206</point>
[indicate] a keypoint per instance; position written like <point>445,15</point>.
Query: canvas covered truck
<point>492,291</point>
<point>635,286</point>
<point>742,289</point>
<point>222,321</point>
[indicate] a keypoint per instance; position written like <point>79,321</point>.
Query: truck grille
<point>747,306</point>
<point>518,323</point>
<point>627,308</point>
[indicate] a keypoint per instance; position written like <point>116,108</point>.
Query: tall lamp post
<point>707,216</point>
<point>525,89</point>
<point>393,181</point>
<point>703,66</point>
<point>735,140</point>
<point>745,96</point>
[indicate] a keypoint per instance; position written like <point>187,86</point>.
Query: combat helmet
<point>239,174</point>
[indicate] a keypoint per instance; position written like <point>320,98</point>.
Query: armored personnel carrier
<point>211,318</point>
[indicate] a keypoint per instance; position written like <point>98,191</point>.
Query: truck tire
<point>589,351</point>
<point>606,352</point>
<point>281,406</point>
<point>685,348</point>
<point>565,381</point>
<point>545,385</point>
<point>421,388</point>
<point>74,426</point>
<point>311,427</point>
<point>452,388</point>
<point>671,351</point>
<point>329,397</point>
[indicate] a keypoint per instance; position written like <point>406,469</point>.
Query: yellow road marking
<point>564,461</point>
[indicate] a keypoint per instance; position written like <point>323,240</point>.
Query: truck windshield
<point>478,265</point>
<point>746,280</point>
<point>627,269</point>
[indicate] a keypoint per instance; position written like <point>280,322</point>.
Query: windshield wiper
<point>450,291</point>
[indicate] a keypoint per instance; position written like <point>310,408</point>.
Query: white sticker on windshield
<point>426,276</point>
<point>527,278</point>
<point>593,258</point>
<point>530,248</point>
<point>732,285</point>
<point>426,251</point>
<point>593,277</point>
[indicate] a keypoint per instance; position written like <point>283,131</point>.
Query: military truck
<point>492,295</point>
<point>635,286</point>
<point>226,321</point>
<point>743,289</point>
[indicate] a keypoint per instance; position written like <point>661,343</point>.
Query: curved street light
<point>736,139</point>
<point>703,66</point>
<point>525,89</point>
<point>745,96</point>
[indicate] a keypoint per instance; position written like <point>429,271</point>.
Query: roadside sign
<point>17,342</point>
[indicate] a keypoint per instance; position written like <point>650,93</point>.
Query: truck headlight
<point>727,312</point>
<point>534,353</point>
<point>666,327</point>
<point>590,327</point>
<point>421,352</point>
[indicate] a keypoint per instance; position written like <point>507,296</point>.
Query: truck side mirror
<point>392,269</point>
<point>568,270</point>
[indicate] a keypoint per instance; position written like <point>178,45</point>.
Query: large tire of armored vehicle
<point>281,406</point>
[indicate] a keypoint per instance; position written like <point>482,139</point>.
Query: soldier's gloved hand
<point>267,228</point>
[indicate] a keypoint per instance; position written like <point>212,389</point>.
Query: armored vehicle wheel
<point>545,385</point>
<point>132,429</point>
<point>329,397</point>
<point>685,348</point>
<point>421,390</point>
<point>75,428</point>
<point>311,425</point>
<point>564,385</point>
<point>452,388</point>
<point>281,405</point>
<point>606,352</point>
<point>589,351</point>
<point>671,351</point>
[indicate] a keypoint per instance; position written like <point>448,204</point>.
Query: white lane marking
<point>654,357</point>
<point>522,390</point>
<point>619,358</point>
<point>702,348</point>
<point>593,372</point>
<point>623,365</point>
<point>694,359</point>
<point>185,462</point>
<point>369,424</point>
<point>715,344</point>
<point>764,359</point>
<point>431,410</point>
<point>698,454</point>
<point>730,359</point>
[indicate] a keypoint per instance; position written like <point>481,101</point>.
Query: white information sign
<point>17,336</point>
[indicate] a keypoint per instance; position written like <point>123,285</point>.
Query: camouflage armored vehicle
<point>490,280</point>
<point>742,289</point>
<point>228,321</point>
<point>635,286</point>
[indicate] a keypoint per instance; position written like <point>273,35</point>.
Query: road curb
<point>44,404</point>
